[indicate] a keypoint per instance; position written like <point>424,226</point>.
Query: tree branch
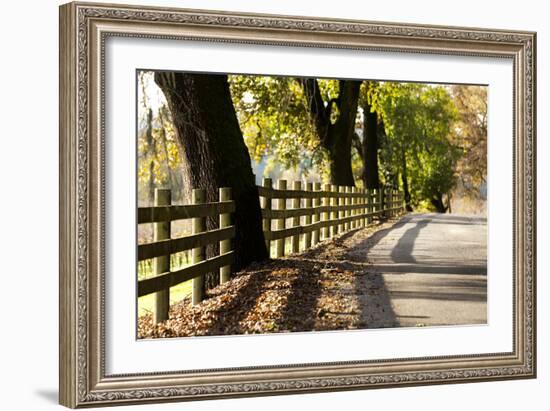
<point>328,108</point>
<point>316,106</point>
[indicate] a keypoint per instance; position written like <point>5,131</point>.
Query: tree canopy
<point>418,120</point>
<point>425,139</point>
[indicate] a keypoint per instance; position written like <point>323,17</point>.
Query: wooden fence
<point>162,214</point>
<point>303,215</point>
<point>319,213</point>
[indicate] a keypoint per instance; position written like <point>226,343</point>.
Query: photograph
<point>276,204</point>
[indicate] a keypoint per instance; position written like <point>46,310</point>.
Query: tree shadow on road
<point>375,302</point>
<point>372,293</point>
<point>378,236</point>
<point>403,250</point>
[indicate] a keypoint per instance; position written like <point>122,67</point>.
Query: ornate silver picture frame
<point>84,30</point>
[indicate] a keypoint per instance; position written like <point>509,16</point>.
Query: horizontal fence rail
<point>303,215</point>
<point>181,212</point>
<point>278,193</point>
<point>170,279</point>
<point>172,246</point>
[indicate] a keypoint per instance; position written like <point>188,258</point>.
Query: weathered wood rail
<point>315,214</point>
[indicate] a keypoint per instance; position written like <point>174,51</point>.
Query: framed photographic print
<point>259,204</point>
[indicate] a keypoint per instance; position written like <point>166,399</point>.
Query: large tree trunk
<point>370,148</point>
<point>215,155</point>
<point>405,181</point>
<point>335,137</point>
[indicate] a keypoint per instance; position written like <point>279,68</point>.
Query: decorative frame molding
<point>83,29</point>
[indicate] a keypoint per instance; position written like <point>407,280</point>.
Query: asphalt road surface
<point>429,269</point>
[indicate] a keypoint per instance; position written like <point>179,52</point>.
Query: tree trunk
<point>405,181</point>
<point>370,148</point>
<point>152,151</point>
<point>169,170</point>
<point>335,137</point>
<point>215,155</point>
<point>437,202</point>
<point>179,180</point>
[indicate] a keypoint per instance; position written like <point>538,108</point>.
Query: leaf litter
<point>328,287</point>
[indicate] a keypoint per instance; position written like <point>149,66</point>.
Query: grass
<point>177,292</point>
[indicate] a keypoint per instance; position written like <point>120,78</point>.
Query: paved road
<point>431,269</point>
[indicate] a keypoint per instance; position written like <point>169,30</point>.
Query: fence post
<point>297,186</point>
<point>341,204</point>
<point>199,225</point>
<point>361,202</point>
<point>376,197</point>
<point>358,211</point>
<point>366,206</point>
<point>325,214</point>
<point>372,203</point>
<point>347,203</point>
<point>381,203</point>
<point>380,200</point>
<point>351,211</point>
<point>369,208</point>
<point>399,204</point>
<point>391,199</point>
<point>225,245</point>
<point>333,214</point>
<point>266,205</point>
<point>397,199</point>
<point>307,204</point>
<point>353,223</point>
<point>316,215</point>
<point>161,231</point>
<point>280,222</point>
<point>388,202</point>
<point>393,202</point>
